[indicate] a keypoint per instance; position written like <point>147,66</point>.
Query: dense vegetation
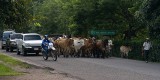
<point>139,18</point>
<point>136,19</point>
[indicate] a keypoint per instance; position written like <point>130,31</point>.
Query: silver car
<point>30,43</point>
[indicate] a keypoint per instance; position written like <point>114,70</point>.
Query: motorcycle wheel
<point>54,55</point>
<point>45,57</point>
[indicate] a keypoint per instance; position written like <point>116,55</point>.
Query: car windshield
<point>16,36</point>
<point>32,37</point>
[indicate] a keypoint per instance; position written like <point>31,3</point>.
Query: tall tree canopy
<point>81,16</point>
<point>133,18</point>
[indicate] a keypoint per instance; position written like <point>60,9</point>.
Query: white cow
<point>78,43</point>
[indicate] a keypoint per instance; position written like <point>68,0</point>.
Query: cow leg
<point>68,52</point>
<point>107,54</point>
<point>64,53</point>
<point>83,53</point>
<point>94,53</point>
<point>127,55</point>
<point>98,53</point>
<point>72,52</point>
<point>80,52</point>
<point>88,53</point>
<point>103,54</point>
<point>121,55</point>
<point>59,51</point>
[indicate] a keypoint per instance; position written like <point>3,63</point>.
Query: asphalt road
<point>97,69</point>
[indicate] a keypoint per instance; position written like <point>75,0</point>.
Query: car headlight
<point>27,45</point>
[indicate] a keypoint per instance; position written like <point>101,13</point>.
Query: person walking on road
<point>146,49</point>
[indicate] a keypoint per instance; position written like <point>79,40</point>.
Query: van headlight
<point>4,42</point>
<point>13,43</point>
<point>27,45</point>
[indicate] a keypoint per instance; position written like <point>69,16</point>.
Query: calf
<point>124,50</point>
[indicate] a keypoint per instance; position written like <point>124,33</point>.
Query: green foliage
<point>80,16</point>
<point>15,14</point>
<point>150,11</point>
<point>77,17</point>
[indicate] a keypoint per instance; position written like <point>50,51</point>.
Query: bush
<point>155,55</point>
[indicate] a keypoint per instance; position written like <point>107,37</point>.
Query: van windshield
<point>32,37</point>
<point>6,35</point>
<point>16,36</point>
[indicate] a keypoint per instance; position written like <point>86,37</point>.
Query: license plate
<point>35,48</point>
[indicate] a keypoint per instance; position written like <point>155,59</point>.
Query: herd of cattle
<point>83,47</point>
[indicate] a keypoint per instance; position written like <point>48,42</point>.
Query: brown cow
<point>124,50</point>
<point>64,46</point>
<point>102,49</point>
<point>86,50</point>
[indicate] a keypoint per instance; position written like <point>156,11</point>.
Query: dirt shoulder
<point>38,73</point>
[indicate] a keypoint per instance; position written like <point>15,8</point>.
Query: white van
<point>5,36</point>
<point>30,43</point>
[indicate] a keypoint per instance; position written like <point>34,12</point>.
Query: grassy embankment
<point>7,65</point>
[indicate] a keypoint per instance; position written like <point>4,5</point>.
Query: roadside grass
<point>7,71</point>
<point>13,62</point>
<point>8,63</point>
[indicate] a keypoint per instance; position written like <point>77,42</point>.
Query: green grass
<point>13,62</point>
<point>7,71</point>
<point>7,63</point>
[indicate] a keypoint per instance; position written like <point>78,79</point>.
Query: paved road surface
<point>98,69</point>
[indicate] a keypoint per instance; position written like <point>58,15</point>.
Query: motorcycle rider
<point>45,44</point>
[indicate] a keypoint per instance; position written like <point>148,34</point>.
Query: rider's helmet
<point>46,36</point>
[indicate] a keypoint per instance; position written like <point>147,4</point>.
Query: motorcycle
<point>50,52</point>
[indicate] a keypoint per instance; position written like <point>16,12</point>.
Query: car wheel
<point>11,49</point>
<point>37,53</point>
<point>2,47</point>
<point>7,49</point>
<point>23,51</point>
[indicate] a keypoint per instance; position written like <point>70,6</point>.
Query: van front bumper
<point>33,49</point>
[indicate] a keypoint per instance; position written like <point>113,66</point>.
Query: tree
<point>14,14</point>
<point>150,11</point>
<point>81,16</point>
